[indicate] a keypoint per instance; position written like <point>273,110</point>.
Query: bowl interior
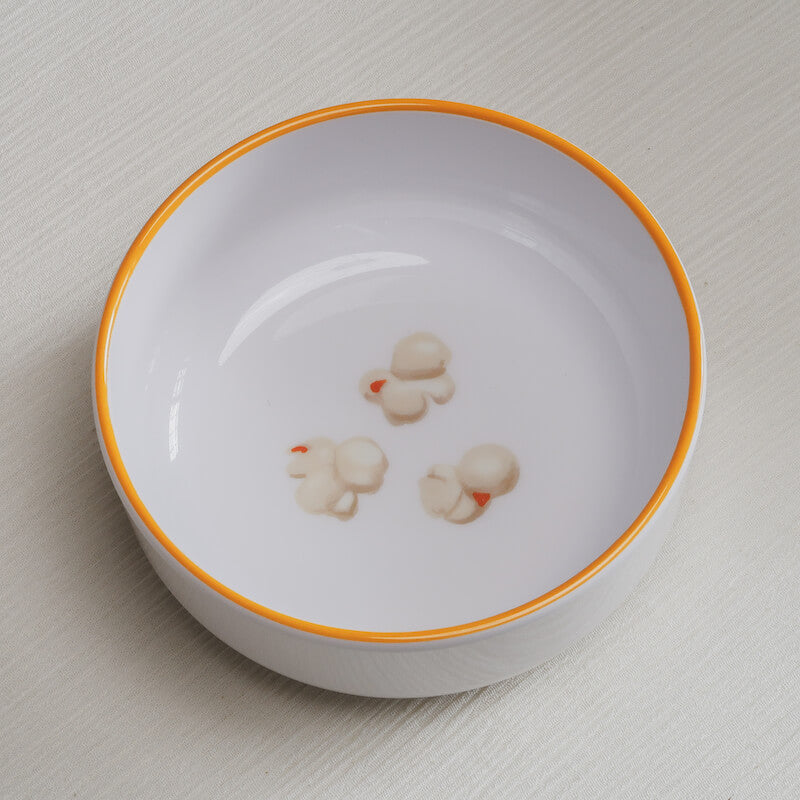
<point>255,311</point>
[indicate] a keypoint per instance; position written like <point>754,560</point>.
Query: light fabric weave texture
<point>109,689</point>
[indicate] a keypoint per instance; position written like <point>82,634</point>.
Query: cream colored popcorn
<point>461,494</point>
<point>418,374</point>
<point>334,475</point>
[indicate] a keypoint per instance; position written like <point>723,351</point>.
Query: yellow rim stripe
<point>443,107</point>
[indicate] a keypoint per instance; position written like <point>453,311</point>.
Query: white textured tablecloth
<point>108,688</point>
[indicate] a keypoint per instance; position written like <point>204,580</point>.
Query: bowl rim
<point>679,457</point>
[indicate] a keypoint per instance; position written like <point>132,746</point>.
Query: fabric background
<point>109,689</point>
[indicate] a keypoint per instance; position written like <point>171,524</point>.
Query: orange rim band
<point>443,107</point>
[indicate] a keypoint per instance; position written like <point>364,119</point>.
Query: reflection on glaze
<point>174,414</point>
<point>417,373</point>
<point>461,494</point>
<point>334,475</point>
<point>306,281</point>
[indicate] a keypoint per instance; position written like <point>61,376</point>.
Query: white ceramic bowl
<point>308,340</point>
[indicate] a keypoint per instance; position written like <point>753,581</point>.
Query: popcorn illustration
<point>334,475</point>
<point>461,494</point>
<point>418,373</point>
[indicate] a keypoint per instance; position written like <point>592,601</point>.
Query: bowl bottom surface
<point>546,361</point>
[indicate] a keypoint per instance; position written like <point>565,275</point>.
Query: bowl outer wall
<point>554,624</point>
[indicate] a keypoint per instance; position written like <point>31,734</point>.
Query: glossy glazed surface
<point>256,309</point>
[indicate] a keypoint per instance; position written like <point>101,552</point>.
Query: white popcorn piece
<point>418,374</point>
<point>461,494</point>
<point>333,475</point>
